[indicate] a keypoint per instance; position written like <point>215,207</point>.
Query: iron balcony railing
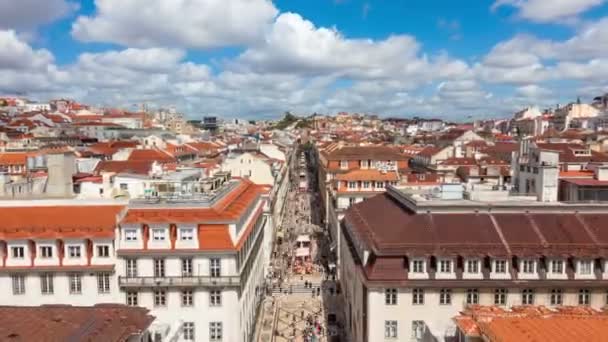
<point>179,281</point>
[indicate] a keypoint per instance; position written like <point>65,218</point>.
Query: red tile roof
<point>55,323</point>
<point>367,175</point>
<point>214,237</point>
<point>151,155</point>
<point>74,221</point>
<point>139,167</point>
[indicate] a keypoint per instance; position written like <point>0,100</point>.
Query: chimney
<point>61,167</point>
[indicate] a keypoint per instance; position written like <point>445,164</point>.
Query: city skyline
<point>257,59</point>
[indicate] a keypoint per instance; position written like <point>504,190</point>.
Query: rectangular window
<point>500,266</point>
<point>159,268</point>
<point>418,329</point>
<point>418,266</point>
<point>18,252</point>
<point>527,297</point>
<point>74,251</point>
<point>75,283</point>
<point>473,266</point>
<point>18,284</point>
<point>500,296</point>
<point>46,252</point>
<point>131,267</point>
<point>186,234</point>
<point>215,331</point>
<point>215,298</point>
<point>585,267</point>
<point>445,297</point>
<point>46,283</point>
<point>351,201</point>
<point>159,234</point>
<point>188,331</point>
<point>132,298</point>
<point>215,267</point>
<point>103,282</point>
<point>187,298</point>
<point>187,267</point>
<point>366,185</point>
<point>344,164</point>
<point>418,296</point>
<point>380,185</point>
<point>527,266</point>
<point>130,234</point>
<point>584,297</point>
<point>103,251</point>
<point>472,296</point>
<point>390,296</point>
<point>556,297</point>
<point>390,329</point>
<point>445,266</point>
<point>557,266</point>
<point>160,298</point>
<point>352,185</point>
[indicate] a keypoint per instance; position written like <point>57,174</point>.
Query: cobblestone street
<point>301,293</point>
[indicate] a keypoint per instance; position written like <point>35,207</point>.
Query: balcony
<point>179,281</point>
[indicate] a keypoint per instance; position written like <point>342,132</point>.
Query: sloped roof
<point>138,167</point>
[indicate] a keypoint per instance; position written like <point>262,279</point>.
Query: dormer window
<point>364,164</point>
<point>445,266</point>
<point>418,266</point>
<point>527,266</point>
<point>500,266</point>
<point>557,266</point>
<point>186,234</point>
<point>343,164</point>
<point>585,267</point>
<point>158,234</point>
<point>130,234</point>
<point>352,185</point>
<point>473,266</point>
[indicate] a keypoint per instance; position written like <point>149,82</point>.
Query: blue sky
<point>257,58</point>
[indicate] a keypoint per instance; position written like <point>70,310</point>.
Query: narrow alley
<point>302,297</point>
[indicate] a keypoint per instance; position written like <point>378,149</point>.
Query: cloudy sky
<point>259,58</point>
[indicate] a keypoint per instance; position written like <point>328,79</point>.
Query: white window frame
<point>352,185</point>
<point>131,268</point>
<point>500,296</point>
<point>418,266</point>
<point>215,298</point>
<point>390,296</point>
<point>528,266</point>
<point>585,267</point>
<point>103,283</point>
<point>159,234</point>
<point>160,298</point>
<point>188,330</point>
<point>103,251</point>
<point>215,267</point>
<point>47,284</point>
<point>556,297</point>
<point>445,266</point>
<point>187,267</point>
<point>18,252</point>
<point>500,266</point>
<point>159,268</point>
<point>557,266</point>
<point>418,296</point>
<point>132,298</point>
<point>75,280</point>
<point>187,298</point>
<point>216,331</point>
<point>472,296</point>
<point>74,252</point>
<point>445,297</point>
<point>391,329</point>
<point>584,297</point>
<point>186,234</point>
<point>344,164</point>
<point>472,266</point>
<point>131,234</point>
<point>527,297</point>
<point>18,281</point>
<point>46,251</point>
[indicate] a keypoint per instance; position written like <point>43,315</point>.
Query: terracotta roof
<point>151,155</point>
<point>367,175</point>
<point>566,153</point>
<point>214,237</point>
<point>14,158</point>
<point>458,161</point>
<point>365,152</point>
<point>576,174</point>
<point>59,221</point>
<point>55,323</point>
<point>531,324</point>
<point>139,167</point>
<point>430,151</point>
<point>585,182</point>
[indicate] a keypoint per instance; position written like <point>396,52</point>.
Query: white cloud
<point>533,91</point>
<point>548,10</point>
<point>17,55</point>
<point>172,23</point>
<point>27,15</point>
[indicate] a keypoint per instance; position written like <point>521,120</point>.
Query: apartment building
<point>410,263</point>
<point>195,261</point>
